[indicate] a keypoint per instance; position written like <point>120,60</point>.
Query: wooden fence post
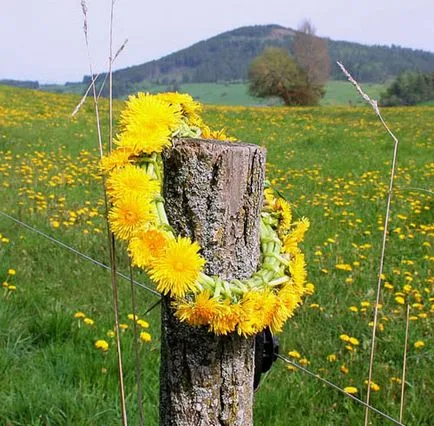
<point>213,192</point>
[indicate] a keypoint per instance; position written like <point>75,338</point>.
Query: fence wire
<point>77,252</point>
<point>331,384</point>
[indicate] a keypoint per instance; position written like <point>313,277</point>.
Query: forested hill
<point>226,57</point>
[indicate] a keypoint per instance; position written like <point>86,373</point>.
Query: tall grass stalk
<point>111,240</point>
<point>374,105</point>
<point>404,366</point>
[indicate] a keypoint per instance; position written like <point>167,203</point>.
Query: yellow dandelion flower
<point>285,220</point>
<point>147,123</point>
<point>111,333</point>
<point>200,311</point>
<point>294,354</point>
<point>226,321</point>
<point>89,321</point>
<point>297,268</point>
<point>117,158</point>
<point>177,269</point>
<point>419,344</point>
<point>354,341</point>
<point>143,323</point>
<point>79,315</point>
<point>133,317</point>
<point>257,311</point>
<point>331,358</point>
<point>400,300</point>
<point>374,387</point>
<point>102,345</point>
<point>190,108</point>
<point>133,180</point>
<point>295,236</point>
<point>145,337</point>
<point>11,272</point>
<point>290,298</point>
<point>344,369</point>
<point>220,135</point>
<point>279,316</point>
<point>343,267</point>
<point>129,214</point>
<point>146,245</point>
<point>351,390</point>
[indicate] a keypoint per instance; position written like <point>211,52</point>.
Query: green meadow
<point>332,164</point>
<point>336,93</point>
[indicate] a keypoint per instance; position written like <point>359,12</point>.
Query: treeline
<point>409,88</point>
<point>18,83</point>
<point>227,56</point>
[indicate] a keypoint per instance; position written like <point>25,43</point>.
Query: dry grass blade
<point>83,99</point>
<point>374,105</point>
<point>110,236</point>
<point>404,366</point>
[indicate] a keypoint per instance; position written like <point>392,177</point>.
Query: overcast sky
<point>43,39</point>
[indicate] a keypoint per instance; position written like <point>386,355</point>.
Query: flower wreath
<point>133,171</point>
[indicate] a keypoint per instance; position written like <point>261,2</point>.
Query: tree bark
<point>213,192</point>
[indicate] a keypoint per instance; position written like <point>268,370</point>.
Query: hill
<point>227,56</point>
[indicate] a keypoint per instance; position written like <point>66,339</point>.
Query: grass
<point>331,163</point>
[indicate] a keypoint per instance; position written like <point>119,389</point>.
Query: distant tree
<point>275,73</point>
<point>409,88</point>
<point>312,55</point>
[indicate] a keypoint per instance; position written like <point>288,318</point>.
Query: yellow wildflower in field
<point>11,272</point>
<point>123,326</point>
<point>419,344</point>
<point>400,300</point>
<point>354,341</point>
<point>177,269</point>
<point>374,386</point>
<point>79,315</point>
<point>111,333</point>
<point>294,354</point>
<point>102,345</point>
<point>309,289</point>
<point>343,267</point>
<point>147,123</point>
<point>132,317</point>
<point>145,337</point>
<point>147,245</point>
<point>351,390</point>
<point>344,337</point>
<point>143,323</point>
<point>89,321</point>
<point>344,369</point>
<point>131,180</point>
<point>331,358</point>
<point>129,214</point>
